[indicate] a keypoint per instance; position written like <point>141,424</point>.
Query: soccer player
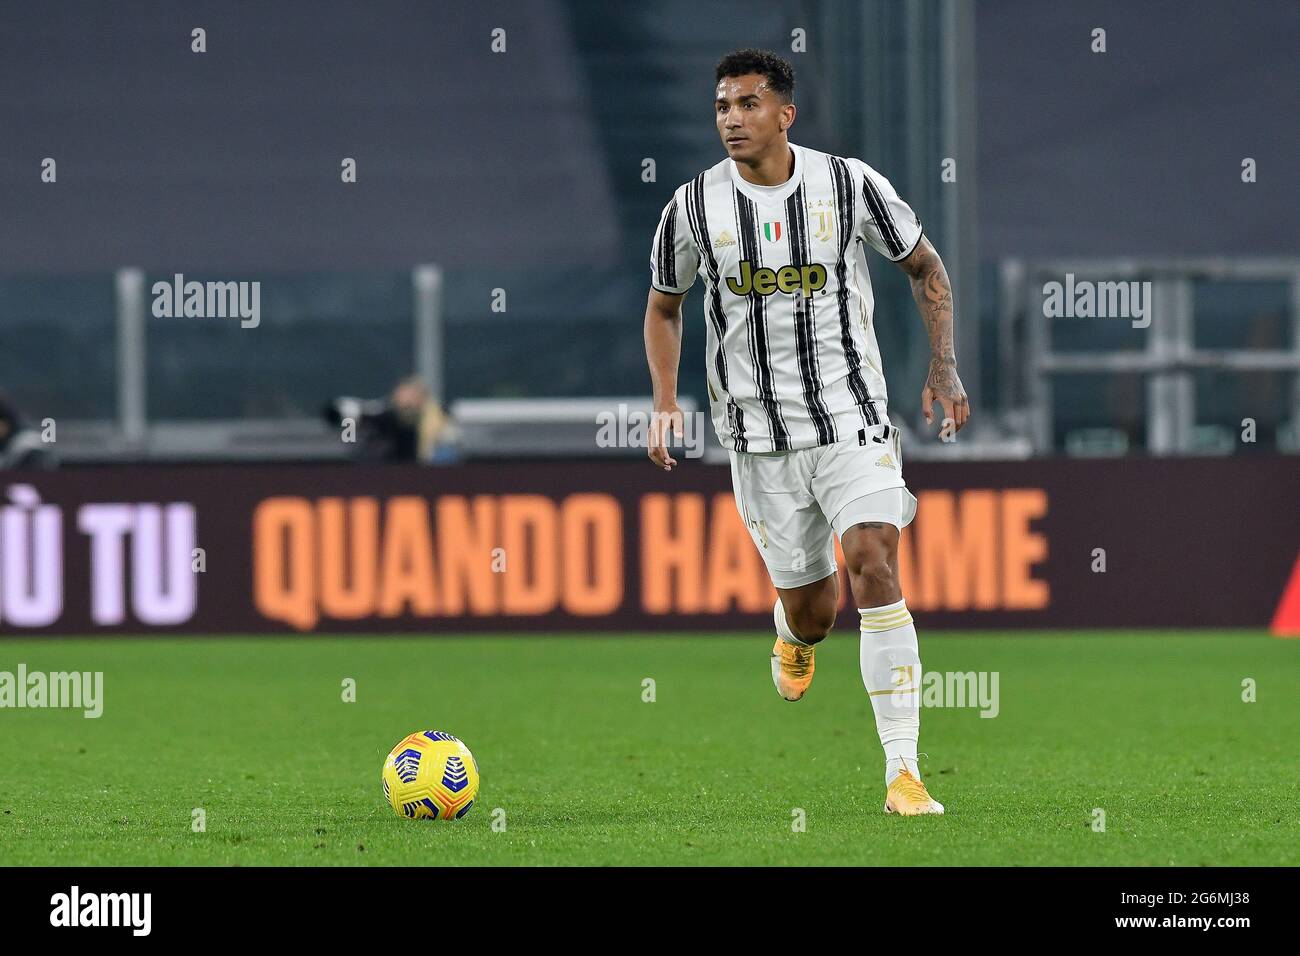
<point>778,233</point>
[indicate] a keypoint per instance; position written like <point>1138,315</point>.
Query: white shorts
<point>792,501</point>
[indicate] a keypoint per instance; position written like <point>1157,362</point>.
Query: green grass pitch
<point>1151,728</point>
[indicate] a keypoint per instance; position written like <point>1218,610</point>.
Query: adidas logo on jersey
<point>724,239</point>
<point>886,461</point>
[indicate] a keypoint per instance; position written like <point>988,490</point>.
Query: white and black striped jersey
<point>792,359</point>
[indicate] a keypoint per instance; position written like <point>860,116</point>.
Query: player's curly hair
<point>779,73</point>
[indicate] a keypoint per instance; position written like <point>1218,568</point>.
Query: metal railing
<point>1169,358</point>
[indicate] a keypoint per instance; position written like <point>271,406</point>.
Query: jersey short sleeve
<point>674,260</point>
<point>887,222</point>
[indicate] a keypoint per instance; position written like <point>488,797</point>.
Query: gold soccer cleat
<point>908,797</point>
<point>792,669</point>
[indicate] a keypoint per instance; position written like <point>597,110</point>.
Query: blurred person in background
<point>408,425</point>
<point>20,445</point>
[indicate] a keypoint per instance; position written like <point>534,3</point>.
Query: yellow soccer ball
<point>430,776</point>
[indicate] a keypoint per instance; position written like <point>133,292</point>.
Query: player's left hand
<point>943,385</point>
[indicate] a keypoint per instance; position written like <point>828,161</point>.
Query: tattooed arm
<point>933,297</point>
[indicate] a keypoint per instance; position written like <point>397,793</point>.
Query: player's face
<point>749,115</point>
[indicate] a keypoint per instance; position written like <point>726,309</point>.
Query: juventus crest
<point>821,212</point>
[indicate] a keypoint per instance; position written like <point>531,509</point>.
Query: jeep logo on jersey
<point>807,279</point>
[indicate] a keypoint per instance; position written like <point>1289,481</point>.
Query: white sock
<point>783,629</point>
<point>891,672</point>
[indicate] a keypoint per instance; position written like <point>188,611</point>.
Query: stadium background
<point>495,245</point>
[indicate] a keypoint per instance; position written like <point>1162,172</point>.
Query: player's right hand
<point>665,417</point>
